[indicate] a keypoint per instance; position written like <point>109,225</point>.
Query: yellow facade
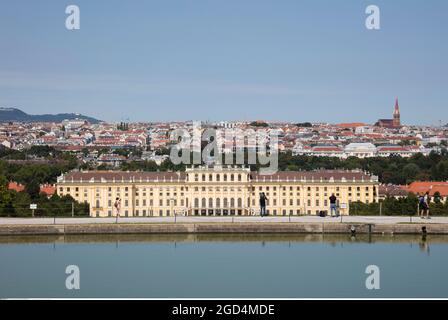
<point>216,191</point>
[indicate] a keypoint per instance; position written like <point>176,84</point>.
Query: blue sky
<point>293,60</point>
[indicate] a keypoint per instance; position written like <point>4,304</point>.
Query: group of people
<point>423,205</point>
<point>424,201</point>
<point>333,205</point>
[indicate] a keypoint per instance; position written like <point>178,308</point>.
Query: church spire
<point>397,121</point>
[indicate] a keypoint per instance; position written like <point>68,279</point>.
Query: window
<point>239,177</point>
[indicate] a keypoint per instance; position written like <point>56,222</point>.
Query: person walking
<point>333,206</point>
<point>263,200</point>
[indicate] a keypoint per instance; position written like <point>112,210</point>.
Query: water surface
<point>183,266</point>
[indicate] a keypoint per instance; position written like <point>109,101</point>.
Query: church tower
<point>396,120</point>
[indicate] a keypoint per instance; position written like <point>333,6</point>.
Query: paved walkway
<point>304,219</point>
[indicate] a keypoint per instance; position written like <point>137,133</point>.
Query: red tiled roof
<point>48,189</point>
<point>431,187</point>
<point>16,186</point>
<point>322,149</point>
<point>351,125</point>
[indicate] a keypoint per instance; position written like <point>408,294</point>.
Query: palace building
<point>218,190</point>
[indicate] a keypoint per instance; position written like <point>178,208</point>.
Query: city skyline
<point>203,60</point>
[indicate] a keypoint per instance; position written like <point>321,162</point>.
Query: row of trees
<point>394,169</point>
<point>391,206</point>
<point>17,204</point>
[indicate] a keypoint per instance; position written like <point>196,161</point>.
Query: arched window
<point>232,177</point>
<point>218,202</point>
<point>196,203</point>
<point>204,203</point>
<point>239,177</point>
<point>203,177</point>
<point>226,204</point>
<point>225,177</point>
<point>240,203</point>
<point>210,177</point>
<point>210,202</point>
<point>232,203</point>
<point>218,177</point>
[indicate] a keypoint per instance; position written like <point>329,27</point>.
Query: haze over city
<point>162,61</point>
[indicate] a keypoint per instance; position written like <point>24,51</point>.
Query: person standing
<point>421,206</point>
<point>333,207</point>
<point>263,200</point>
<point>117,206</point>
<point>427,203</point>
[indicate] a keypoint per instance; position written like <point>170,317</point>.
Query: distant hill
<point>17,115</point>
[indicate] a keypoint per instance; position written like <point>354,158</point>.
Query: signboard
<point>343,206</point>
<point>33,206</point>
